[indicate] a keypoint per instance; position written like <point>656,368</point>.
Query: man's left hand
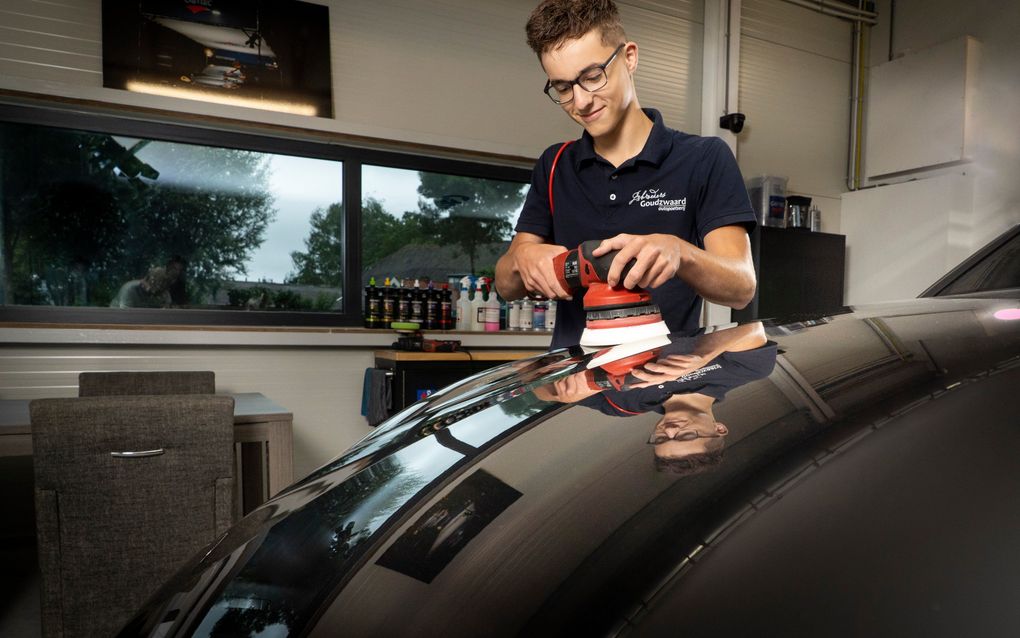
<point>656,259</point>
<point>669,368</point>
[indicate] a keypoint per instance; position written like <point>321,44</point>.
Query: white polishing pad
<point>626,334</point>
<point>627,349</point>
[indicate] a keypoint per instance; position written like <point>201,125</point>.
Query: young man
<point>674,203</point>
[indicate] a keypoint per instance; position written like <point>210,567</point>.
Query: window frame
<point>314,146</point>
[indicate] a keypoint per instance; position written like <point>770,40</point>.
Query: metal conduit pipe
<point>860,17</point>
<point>830,8</point>
<point>846,8</point>
<point>856,107</point>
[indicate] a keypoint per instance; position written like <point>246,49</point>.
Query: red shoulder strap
<point>552,172</point>
<point>618,407</point>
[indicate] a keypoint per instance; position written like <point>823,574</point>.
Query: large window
<point>102,220</point>
<point>429,226</point>
<point>132,222</point>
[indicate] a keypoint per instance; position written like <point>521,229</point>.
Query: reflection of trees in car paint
<point>319,541</point>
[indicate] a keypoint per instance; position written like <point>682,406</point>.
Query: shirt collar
<point>657,146</point>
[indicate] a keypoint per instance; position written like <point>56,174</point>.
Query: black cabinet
<point>418,374</point>
<point>799,272</point>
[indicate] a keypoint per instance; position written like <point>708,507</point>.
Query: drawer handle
<point>137,455</point>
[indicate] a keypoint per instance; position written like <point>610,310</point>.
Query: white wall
<point>902,237</point>
<point>986,180</point>
<point>795,91</point>
<point>453,73</point>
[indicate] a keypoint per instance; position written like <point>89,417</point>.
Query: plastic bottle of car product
<point>404,303</point>
<point>417,303</point>
<point>491,310</point>
<point>514,316</point>
<point>446,308</point>
<point>389,304</point>
<point>477,308</point>
<point>371,310</point>
<point>527,313</point>
<point>453,283</point>
<point>464,306</point>
<point>550,315</point>
<point>538,315</point>
<point>432,299</point>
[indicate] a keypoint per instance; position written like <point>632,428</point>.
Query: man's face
<point>599,112</point>
<point>674,428</point>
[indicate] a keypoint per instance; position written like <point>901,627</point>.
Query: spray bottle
<point>464,305</point>
<point>477,307</point>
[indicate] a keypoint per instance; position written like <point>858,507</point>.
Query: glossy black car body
<point>870,486</point>
<point>993,271</point>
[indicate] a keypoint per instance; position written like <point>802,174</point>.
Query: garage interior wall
<point>795,91</point>
<point>450,73</point>
<point>906,230</point>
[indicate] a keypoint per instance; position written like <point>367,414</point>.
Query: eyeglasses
<point>681,435</point>
<point>591,79</point>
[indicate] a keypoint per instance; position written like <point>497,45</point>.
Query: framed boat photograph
<point>266,54</point>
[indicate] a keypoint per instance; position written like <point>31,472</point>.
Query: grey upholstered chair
<point>98,384</point>
<point>127,488</point>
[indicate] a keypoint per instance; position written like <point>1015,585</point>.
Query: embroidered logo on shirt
<point>658,198</point>
<point>697,374</point>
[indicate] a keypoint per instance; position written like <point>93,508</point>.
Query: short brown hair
<point>691,464</point>
<point>554,21</point>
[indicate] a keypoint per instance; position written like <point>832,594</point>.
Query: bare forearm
<point>738,339</point>
<point>527,267</point>
<point>509,284</point>
<point>722,279</point>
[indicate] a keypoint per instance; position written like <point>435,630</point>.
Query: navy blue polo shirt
<point>727,371</point>
<point>680,184</point>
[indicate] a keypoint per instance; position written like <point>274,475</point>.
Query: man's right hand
<point>527,267</point>
<point>534,263</point>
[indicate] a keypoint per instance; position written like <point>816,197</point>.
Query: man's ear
<point>721,429</point>
<point>630,56</point>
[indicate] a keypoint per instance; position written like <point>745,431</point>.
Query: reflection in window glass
<point>90,219</point>
<point>429,226</point>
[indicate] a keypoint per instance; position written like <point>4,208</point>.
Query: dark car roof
<point>868,486</point>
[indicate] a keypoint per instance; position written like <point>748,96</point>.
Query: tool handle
<point>600,265</point>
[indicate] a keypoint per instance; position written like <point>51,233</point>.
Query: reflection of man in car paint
<point>689,375</point>
<point>688,439</point>
<point>710,363</point>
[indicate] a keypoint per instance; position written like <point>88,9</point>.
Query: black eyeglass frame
<point>577,80</point>
<point>682,435</point>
